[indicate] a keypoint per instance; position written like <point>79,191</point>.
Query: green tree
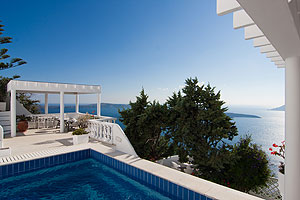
<point>145,126</point>
<point>200,129</point>
<point>249,168</point>
<point>14,62</point>
<point>30,104</point>
<point>3,86</point>
<point>24,98</point>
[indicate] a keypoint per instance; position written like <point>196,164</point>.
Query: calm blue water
<point>86,179</point>
<point>265,131</point>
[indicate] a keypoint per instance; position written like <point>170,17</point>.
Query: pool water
<point>85,179</point>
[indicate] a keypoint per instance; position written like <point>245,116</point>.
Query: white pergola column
<point>46,103</point>
<point>13,113</point>
<point>292,128</point>
<point>99,104</point>
<point>62,111</point>
<point>77,103</point>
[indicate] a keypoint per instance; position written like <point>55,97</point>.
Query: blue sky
<point>126,45</point>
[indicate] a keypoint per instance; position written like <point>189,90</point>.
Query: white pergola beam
<point>279,62</point>
<point>241,19</point>
<point>280,66</point>
<point>272,54</point>
<point>252,32</point>
<point>274,59</point>
<point>261,41</point>
<point>227,6</point>
<point>267,49</point>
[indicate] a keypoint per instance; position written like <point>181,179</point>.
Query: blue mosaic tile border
<point>161,185</point>
<point>31,165</point>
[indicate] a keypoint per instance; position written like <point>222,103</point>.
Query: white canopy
<point>15,86</point>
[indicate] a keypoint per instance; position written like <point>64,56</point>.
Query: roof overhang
<point>52,88</point>
<point>274,25</point>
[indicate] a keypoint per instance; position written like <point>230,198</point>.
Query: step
<point>5,115</point>
<point>5,123</point>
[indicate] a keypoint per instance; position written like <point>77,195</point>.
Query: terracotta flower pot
<point>22,126</point>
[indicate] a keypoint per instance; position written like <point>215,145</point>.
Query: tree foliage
<point>30,104</point>
<point>14,62</point>
<point>249,168</point>
<point>3,86</point>
<point>24,98</point>
<point>145,126</point>
<point>199,127</point>
<point>193,124</point>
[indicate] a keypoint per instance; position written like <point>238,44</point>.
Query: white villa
<point>274,27</point>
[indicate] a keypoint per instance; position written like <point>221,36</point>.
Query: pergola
<point>46,88</point>
<point>274,26</point>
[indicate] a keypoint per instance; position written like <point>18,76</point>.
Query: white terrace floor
<point>35,140</point>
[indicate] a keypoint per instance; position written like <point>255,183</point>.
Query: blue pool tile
<point>64,158</point>
<point>60,159</point>
<point>161,184</point>
<point>156,182</point>
<point>171,189</point>
<point>166,186</point>
<point>0,171</point>
<point>191,195</point>
<point>186,193</point>
<point>16,168</point>
<point>180,192</point>
<point>27,168</point>
<point>175,190</point>
<point>42,162</point>
<point>197,196</point>
<point>37,163</point>
<point>4,171</point>
<point>31,165</point>
<point>153,181</point>
<point>51,160</point>
<point>9,170</point>
<point>203,197</point>
<point>208,198</point>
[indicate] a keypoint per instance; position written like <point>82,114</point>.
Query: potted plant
<point>22,123</point>
<point>80,136</point>
<point>281,153</point>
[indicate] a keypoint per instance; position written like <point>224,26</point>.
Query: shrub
<point>83,121</point>
<point>79,131</point>
<point>249,169</point>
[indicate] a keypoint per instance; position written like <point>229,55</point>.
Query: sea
<point>265,130</point>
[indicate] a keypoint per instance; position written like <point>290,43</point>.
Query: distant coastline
<point>110,109</point>
<point>234,115</point>
<point>280,108</point>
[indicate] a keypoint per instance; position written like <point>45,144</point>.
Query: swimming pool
<point>85,179</point>
<point>86,174</point>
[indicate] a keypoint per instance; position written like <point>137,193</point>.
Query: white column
<point>46,103</point>
<point>62,110</point>
<point>77,103</point>
<point>292,128</point>
<point>99,104</point>
<point>13,113</point>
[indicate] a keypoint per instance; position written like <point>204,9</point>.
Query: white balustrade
<point>102,131</point>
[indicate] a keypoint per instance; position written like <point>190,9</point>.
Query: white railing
<point>110,133</point>
<point>102,131</point>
